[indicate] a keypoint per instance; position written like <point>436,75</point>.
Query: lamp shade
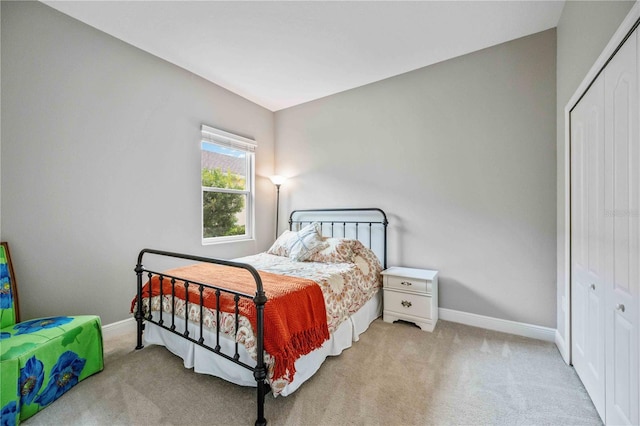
<point>278,180</point>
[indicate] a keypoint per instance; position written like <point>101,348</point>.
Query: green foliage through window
<point>216,178</point>
<point>220,210</point>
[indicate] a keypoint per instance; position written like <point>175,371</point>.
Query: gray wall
<point>0,123</point>
<point>461,155</point>
<point>101,158</point>
<point>584,30</point>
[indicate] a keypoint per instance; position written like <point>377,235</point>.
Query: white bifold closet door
<point>605,237</point>
<point>587,229</point>
<point>622,234</point>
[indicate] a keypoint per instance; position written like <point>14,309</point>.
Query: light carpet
<point>395,375</point>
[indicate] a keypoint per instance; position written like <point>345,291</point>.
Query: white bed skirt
<point>206,362</point>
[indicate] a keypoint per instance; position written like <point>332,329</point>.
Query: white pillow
<point>282,245</point>
<point>307,242</point>
<point>299,245</point>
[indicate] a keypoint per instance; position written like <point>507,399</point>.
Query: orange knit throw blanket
<point>295,317</point>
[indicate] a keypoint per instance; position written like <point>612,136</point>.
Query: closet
<point>605,237</point>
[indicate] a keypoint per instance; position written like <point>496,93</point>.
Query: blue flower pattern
<point>32,326</point>
<point>8,414</point>
<point>4,335</point>
<point>64,376</point>
<point>31,378</point>
<point>6,298</point>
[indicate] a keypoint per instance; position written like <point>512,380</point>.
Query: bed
<point>269,320</point>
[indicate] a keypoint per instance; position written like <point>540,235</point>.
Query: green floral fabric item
<point>42,359</point>
<point>7,308</point>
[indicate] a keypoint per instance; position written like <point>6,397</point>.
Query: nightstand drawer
<point>406,303</point>
<point>408,284</point>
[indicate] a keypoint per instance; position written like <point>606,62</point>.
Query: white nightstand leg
<point>389,318</point>
<point>426,326</point>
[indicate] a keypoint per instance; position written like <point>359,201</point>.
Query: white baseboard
<point>562,347</point>
<point>474,320</point>
<point>124,326</point>
<point>496,324</point>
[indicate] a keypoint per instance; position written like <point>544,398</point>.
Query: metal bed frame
<point>349,224</point>
<point>346,220</point>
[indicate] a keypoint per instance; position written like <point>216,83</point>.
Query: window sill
<point>226,240</point>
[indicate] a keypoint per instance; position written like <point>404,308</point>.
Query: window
<point>227,175</point>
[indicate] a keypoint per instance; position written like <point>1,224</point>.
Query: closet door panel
<point>622,382</point>
<point>587,229</point>
<point>621,235</point>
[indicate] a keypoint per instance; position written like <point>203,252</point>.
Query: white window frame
<point>229,140</point>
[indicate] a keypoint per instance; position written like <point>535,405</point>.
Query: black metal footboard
<point>259,299</point>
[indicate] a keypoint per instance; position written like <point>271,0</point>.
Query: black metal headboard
<point>367,225</point>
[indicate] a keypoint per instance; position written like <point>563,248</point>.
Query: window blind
<point>229,140</point>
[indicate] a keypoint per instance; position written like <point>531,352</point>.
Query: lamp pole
<point>277,207</point>
<point>277,181</point>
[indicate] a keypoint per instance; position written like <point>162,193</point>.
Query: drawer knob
<point>620,307</point>
<point>593,286</point>
<point>407,283</point>
<point>406,303</point>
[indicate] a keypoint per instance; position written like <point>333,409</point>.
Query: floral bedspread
<point>346,287</point>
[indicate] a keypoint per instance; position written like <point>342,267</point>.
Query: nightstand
<point>411,295</point>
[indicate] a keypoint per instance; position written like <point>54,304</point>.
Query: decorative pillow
<point>338,250</point>
<point>298,245</point>
<point>283,244</point>
<point>307,242</point>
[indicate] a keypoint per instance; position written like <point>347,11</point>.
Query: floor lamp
<point>277,181</point>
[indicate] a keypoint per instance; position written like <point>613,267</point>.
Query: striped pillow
<point>299,245</point>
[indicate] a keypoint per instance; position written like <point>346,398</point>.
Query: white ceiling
<point>283,53</point>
